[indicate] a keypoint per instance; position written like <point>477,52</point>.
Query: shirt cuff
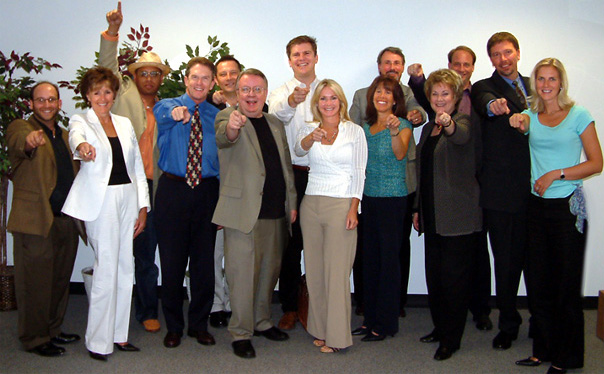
<point>110,38</point>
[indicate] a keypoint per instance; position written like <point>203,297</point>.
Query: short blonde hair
<point>448,77</point>
<point>564,100</point>
<point>337,89</point>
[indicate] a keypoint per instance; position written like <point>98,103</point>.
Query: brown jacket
<point>34,179</point>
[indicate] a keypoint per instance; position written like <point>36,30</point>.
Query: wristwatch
<point>562,176</point>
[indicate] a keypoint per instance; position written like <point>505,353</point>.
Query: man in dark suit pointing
<point>505,176</point>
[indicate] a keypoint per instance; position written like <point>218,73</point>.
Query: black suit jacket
<point>505,172</point>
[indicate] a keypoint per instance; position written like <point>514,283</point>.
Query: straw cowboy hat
<point>149,59</point>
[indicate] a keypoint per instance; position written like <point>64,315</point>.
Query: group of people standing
<point>297,175</point>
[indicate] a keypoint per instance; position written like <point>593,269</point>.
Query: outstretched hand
<point>115,19</point>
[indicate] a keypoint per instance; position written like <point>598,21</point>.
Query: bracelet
<point>449,125</point>
<point>395,135</point>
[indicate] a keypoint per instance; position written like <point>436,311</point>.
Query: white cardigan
<point>87,193</point>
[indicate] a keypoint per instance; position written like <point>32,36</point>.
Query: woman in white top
<point>337,154</point>
<point>110,194</point>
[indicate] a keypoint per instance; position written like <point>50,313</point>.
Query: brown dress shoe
<point>172,340</point>
<point>288,321</point>
<point>203,337</point>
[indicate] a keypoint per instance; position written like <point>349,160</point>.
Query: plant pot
<point>8,300</point>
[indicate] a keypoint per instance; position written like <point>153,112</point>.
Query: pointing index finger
<point>119,7</point>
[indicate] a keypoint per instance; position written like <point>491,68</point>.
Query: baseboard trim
<point>420,301</point>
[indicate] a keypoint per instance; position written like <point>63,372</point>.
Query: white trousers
<point>110,236</point>
<point>221,289</point>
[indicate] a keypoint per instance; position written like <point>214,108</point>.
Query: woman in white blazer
<point>111,196</point>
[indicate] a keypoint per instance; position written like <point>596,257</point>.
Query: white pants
<point>110,236</point>
<point>221,289</point>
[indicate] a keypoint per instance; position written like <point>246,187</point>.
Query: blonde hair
<point>337,89</point>
<point>564,101</point>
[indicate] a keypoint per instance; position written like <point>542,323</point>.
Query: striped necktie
<point>520,94</point>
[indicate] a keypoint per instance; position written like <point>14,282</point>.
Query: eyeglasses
<point>50,100</point>
<point>152,74</point>
<point>247,90</point>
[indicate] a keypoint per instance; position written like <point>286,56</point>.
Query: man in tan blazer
<point>135,100</point>
<point>256,193</point>
<point>45,240</point>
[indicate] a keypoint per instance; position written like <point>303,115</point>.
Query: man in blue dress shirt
<point>186,196</point>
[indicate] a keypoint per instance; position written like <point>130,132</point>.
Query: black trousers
<point>554,274</point>
<point>507,233</point>
<point>186,234</point>
<point>383,235</point>
<point>449,265</point>
<point>480,287</point>
<point>405,252</point>
<point>289,277</point>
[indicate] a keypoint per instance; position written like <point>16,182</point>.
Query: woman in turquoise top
<point>559,131</point>
<point>384,202</point>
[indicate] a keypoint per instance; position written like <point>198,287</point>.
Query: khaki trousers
<point>329,251</point>
<point>252,263</point>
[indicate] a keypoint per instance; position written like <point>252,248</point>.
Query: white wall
<point>350,34</point>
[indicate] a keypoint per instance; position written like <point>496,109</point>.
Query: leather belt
<point>301,168</point>
<point>175,177</point>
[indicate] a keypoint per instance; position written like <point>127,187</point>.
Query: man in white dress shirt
<point>291,104</point>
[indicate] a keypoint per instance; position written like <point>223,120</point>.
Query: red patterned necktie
<point>195,150</point>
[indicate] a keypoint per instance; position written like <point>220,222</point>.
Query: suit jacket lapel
<point>509,93</point>
<point>96,126</point>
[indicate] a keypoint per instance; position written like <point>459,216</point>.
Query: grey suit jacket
<point>456,190</point>
<point>242,173</point>
<point>357,114</point>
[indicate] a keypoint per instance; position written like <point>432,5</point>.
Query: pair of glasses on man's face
<point>246,90</point>
<point>50,100</point>
<point>152,74</point>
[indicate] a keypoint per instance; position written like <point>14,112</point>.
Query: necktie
<point>195,150</point>
<point>520,94</point>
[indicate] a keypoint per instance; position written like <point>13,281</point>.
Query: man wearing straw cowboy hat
<point>135,100</point>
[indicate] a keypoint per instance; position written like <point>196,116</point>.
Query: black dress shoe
<point>372,337</point>
<point>430,338</point>
<point>483,323</point>
<point>443,353</point>
<point>529,362</point>
<point>218,319</point>
<point>243,348</point>
<point>48,350</point>
<point>63,338</point>
<point>360,331</point>
<point>172,340</point>
<point>126,347</point>
<point>272,334</point>
<point>555,370</point>
<point>503,340</point>
<point>97,356</point>
<point>203,337</point>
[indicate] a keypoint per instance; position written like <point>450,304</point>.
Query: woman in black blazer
<point>448,210</point>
